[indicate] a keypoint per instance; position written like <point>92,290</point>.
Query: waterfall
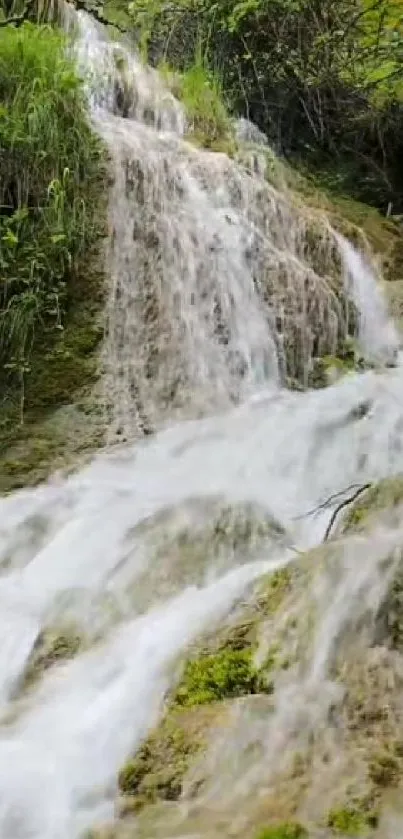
<point>216,293</point>
<point>220,284</point>
<point>377,333</point>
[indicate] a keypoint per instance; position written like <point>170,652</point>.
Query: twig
<point>327,503</point>
<point>341,507</point>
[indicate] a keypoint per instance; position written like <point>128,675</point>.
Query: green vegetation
<point>352,821</point>
<point>324,81</point>
<point>274,589</point>
<point>52,215</point>
<point>215,676</point>
<point>50,164</point>
<point>384,495</point>
<point>158,768</point>
<point>289,830</point>
<point>200,89</point>
<point>49,649</point>
<point>202,96</point>
<point>385,769</point>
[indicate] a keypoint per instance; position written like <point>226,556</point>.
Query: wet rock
<point>247,132</point>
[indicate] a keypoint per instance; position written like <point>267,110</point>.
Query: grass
<point>202,96</point>
<point>201,92</point>
<point>50,195</point>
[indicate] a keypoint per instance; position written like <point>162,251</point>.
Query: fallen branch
<point>341,506</point>
<point>325,504</point>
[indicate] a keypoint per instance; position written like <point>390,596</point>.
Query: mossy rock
<point>51,647</point>
<point>222,145</point>
<point>353,219</point>
<point>274,588</point>
<point>352,821</point>
<point>63,374</point>
<point>157,771</point>
<point>287,830</point>
<point>385,495</point>
<point>385,769</point>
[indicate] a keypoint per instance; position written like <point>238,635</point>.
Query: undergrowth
<point>201,92</point>
<point>51,167</point>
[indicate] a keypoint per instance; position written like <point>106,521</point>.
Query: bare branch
<point>341,507</point>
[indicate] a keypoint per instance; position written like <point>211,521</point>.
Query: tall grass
<point>203,98</point>
<point>50,167</point>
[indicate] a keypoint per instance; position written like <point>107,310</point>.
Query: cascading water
<point>210,286</point>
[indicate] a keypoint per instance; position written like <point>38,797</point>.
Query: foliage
<point>324,80</point>
<point>50,165</point>
<point>202,95</point>
<point>214,676</point>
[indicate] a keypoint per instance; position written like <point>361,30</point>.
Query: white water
<point>377,333</point>
<point>96,548</point>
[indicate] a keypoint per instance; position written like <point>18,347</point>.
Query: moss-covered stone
<point>385,769</point>
<point>288,830</point>
<point>352,821</point>
<point>157,770</point>
<point>274,589</point>
<point>384,495</point>
<point>224,145</point>
<point>60,418</point>
<point>51,647</point>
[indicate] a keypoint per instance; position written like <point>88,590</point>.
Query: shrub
<point>50,164</point>
<point>227,673</point>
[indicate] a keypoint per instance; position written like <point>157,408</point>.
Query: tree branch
<point>341,507</point>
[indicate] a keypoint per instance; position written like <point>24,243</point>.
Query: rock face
<point>314,742</point>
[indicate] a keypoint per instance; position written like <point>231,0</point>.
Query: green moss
<point>63,371</point>
<point>383,495</point>
<point>352,821</point>
<point>287,830</point>
<point>352,218</point>
<point>385,769</point>
<point>224,145</point>
<point>274,590</point>
<point>215,676</point>
<point>49,649</point>
<point>158,768</point>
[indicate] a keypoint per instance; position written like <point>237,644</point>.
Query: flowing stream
<point>195,352</point>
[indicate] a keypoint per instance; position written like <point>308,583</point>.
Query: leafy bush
<point>214,676</point>
<point>50,164</point>
<point>324,80</point>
